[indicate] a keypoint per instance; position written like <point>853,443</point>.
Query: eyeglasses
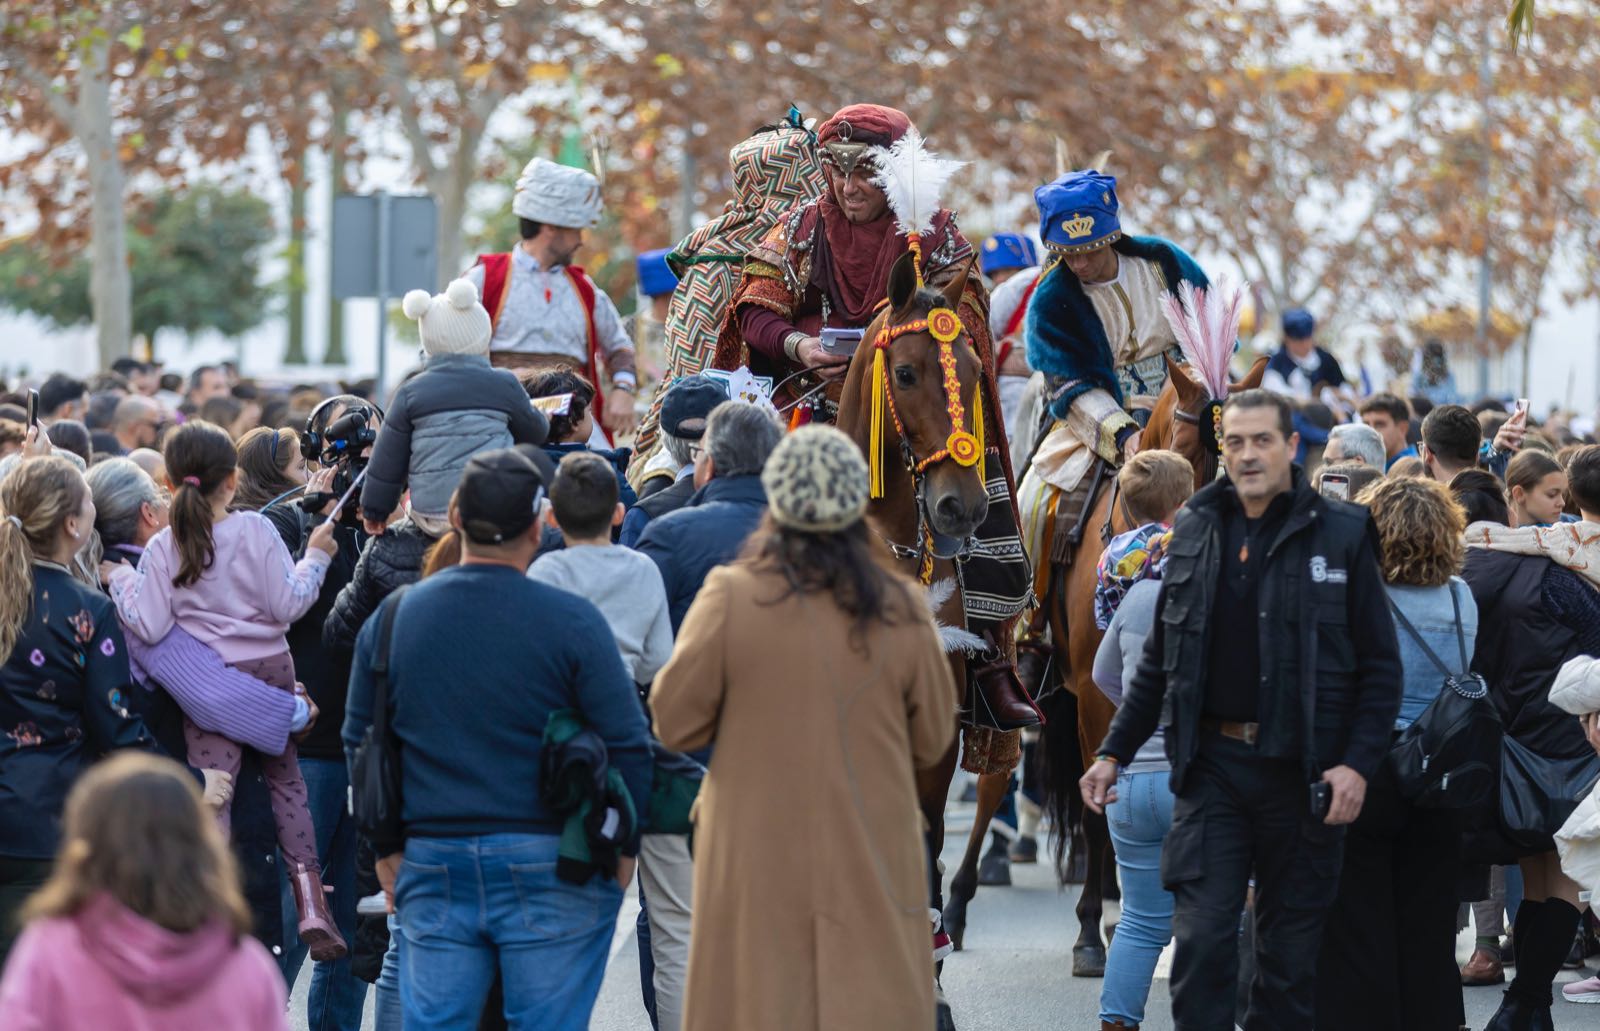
<point>695,451</point>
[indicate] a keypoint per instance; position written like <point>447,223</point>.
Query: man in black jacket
<point>1275,717</point>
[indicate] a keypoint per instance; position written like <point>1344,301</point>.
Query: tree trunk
<point>449,186</point>
<point>334,355</point>
<point>295,352</point>
<point>110,282</point>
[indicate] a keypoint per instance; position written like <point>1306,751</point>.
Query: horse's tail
<point>1060,767</point>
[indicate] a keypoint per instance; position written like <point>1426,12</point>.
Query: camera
<point>342,445</point>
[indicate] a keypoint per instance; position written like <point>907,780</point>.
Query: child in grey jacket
<point>457,406</point>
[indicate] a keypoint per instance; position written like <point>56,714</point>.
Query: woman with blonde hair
<point>65,687</point>
<point>1388,947</point>
<point>141,925</point>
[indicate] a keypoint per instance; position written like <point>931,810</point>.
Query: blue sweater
<point>481,655</point>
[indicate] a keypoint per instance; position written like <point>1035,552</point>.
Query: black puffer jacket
<point>388,563</point>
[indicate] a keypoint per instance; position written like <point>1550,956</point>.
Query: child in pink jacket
<point>141,926</point>
<point>226,578</point>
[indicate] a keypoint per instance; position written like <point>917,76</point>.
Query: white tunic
<point>543,314</point>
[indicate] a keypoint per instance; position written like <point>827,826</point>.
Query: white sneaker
<point>1587,990</point>
<point>373,905</point>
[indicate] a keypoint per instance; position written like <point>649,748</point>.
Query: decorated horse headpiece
<point>912,179</point>
<point>1206,323</point>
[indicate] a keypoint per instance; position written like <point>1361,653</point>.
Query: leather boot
<point>1002,701</point>
<point>1544,933</point>
<point>317,928</point>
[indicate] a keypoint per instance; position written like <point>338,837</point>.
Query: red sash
<point>1012,325</point>
<point>497,276</point>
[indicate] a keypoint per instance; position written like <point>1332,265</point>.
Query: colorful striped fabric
<point>773,170</point>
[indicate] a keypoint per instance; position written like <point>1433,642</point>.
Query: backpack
<point>375,764</point>
<point>1450,757</point>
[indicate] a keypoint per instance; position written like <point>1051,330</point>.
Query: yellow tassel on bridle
<point>977,428</point>
<point>875,442</point>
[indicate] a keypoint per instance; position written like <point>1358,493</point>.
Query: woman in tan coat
<point>816,673</point>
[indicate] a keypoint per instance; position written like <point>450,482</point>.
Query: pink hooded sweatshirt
<point>107,967</point>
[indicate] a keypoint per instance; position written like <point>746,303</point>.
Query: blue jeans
<point>1139,820</point>
<point>466,905</point>
<point>337,996</point>
<point>386,1015</point>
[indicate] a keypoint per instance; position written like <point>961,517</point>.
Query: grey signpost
<point>383,245</point>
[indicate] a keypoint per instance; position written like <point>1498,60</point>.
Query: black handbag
<point>375,766</point>
<point>1447,758</point>
<point>1538,794</point>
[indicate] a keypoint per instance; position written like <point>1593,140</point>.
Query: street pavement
<point>1014,973</point>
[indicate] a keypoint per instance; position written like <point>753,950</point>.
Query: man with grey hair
<point>684,410</point>
<point>135,423</point>
<point>727,504</point>
<point>1353,442</point>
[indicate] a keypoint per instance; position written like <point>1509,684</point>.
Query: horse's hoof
<point>1088,961</point>
<point>943,1019</point>
<point>995,870</point>
<point>955,920</point>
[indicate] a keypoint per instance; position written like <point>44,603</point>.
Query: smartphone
<point>333,516</point>
<point>1522,405</point>
<point>1321,800</point>
<point>1334,485</point>
<point>33,407</point>
<point>842,342</point>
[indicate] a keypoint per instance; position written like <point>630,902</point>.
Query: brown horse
<point>945,496</point>
<point>1067,743</point>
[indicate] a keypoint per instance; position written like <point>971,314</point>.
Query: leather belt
<point>1246,732</point>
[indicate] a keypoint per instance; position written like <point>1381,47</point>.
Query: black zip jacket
<point>1324,634</point>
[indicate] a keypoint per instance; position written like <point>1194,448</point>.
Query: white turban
<point>557,195</point>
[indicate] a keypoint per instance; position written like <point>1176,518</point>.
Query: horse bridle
<point>962,447</point>
<point>1211,443</point>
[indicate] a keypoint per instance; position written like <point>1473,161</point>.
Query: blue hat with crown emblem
<point>1004,251</point>
<point>1078,212</point>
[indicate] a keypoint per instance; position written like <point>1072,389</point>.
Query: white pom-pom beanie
<point>452,322</point>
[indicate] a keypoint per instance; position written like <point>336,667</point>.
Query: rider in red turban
<point>827,262</point>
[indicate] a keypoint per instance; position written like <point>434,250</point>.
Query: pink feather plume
<point>1206,323</point>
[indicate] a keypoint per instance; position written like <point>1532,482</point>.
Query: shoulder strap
<point>380,666</point>
<point>1400,617</point>
<point>1461,633</point>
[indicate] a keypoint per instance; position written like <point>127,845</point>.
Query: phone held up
<point>1334,485</point>
<point>33,407</point>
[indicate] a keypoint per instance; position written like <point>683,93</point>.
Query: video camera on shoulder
<point>342,445</point>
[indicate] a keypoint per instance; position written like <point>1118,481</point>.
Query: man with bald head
<point>135,423</point>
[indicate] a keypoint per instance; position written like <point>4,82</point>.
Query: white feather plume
<point>913,179</point>
<point>1206,323</point>
<point>951,638</point>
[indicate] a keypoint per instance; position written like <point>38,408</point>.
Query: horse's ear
<point>902,283</point>
<point>1252,379</point>
<point>1189,392</point>
<point>956,287</point>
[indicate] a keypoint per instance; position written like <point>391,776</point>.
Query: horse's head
<point>931,376</point>
<point>1187,419</point>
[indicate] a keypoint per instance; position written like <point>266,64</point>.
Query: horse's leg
<point>1089,952</point>
<point>991,792</point>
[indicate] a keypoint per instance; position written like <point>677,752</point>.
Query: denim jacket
<point>1431,613</point>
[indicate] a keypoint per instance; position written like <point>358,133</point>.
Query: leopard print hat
<point>816,481</point>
